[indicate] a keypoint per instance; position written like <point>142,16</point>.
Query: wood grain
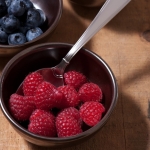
<point>125,47</point>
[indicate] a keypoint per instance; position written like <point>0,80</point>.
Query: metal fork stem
<point>110,9</point>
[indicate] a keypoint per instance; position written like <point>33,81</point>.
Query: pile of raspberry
<point>58,111</point>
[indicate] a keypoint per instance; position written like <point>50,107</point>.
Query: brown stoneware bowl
<point>48,55</point>
<point>89,3</point>
<point>53,11</point>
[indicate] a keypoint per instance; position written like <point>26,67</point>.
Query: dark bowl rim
<point>56,139</point>
<point>46,33</point>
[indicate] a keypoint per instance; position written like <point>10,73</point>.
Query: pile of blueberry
<point>20,21</point>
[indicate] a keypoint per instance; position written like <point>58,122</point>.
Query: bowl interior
<point>49,55</point>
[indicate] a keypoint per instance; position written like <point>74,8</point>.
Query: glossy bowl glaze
<point>48,55</point>
<point>53,11</point>
<point>89,3</point>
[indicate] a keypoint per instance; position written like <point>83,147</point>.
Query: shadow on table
<point>69,29</point>
<point>126,129</point>
<point>138,74</point>
<point>133,18</point>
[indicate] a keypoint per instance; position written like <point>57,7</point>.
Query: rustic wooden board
<point>125,45</point>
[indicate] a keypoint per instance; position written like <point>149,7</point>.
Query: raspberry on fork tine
<point>31,83</point>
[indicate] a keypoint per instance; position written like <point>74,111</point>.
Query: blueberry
<point>3,36</point>
<point>43,17</point>
<point>28,4</point>
<point>8,2</point>
<point>33,33</point>
<point>3,8</point>
<point>10,23</point>
<point>17,8</point>
<point>23,29</point>
<point>16,39</point>
<point>0,21</point>
<point>33,18</point>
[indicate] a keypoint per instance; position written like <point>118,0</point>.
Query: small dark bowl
<point>48,55</point>
<point>53,11</point>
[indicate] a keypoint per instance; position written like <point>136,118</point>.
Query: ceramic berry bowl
<point>57,116</point>
<point>31,22</point>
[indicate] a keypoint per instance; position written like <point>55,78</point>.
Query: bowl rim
<point>46,33</point>
<point>56,139</point>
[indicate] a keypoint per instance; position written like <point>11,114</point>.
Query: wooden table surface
<point>124,44</point>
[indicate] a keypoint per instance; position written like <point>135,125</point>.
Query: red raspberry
<point>75,79</point>
<point>31,83</point>
<point>91,112</point>
<point>39,112</point>
<point>59,99</point>
<point>71,98</point>
<point>44,96</point>
<point>21,107</point>
<point>90,92</point>
<point>66,125</point>
<point>71,111</point>
<point>42,123</point>
<point>35,114</point>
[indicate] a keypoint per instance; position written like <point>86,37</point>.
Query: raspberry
<point>90,92</point>
<point>59,99</point>
<point>38,112</point>
<point>35,114</point>
<point>71,98</point>
<point>91,112</point>
<point>44,96</point>
<point>71,111</point>
<point>21,107</point>
<point>75,79</point>
<point>42,123</point>
<point>66,125</point>
<point>31,83</point>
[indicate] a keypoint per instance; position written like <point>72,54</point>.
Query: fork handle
<point>110,9</point>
